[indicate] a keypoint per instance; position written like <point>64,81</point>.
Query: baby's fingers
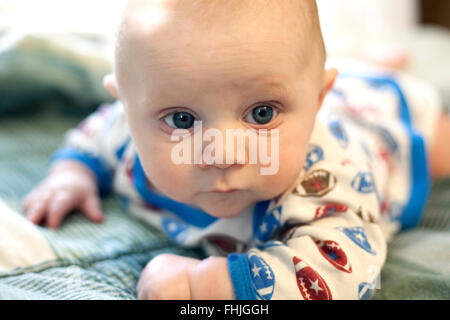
<point>92,208</point>
<point>37,196</point>
<point>36,212</point>
<point>60,205</point>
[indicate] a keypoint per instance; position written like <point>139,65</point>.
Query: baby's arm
<point>336,257</point>
<point>439,151</point>
<point>81,171</point>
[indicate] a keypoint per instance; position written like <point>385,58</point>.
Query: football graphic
<point>358,236</point>
<point>333,252</point>
<point>309,282</point>
<point>339,133</point>
<point>315,154</point>
<point>262,276</point>
<point>363,182</point>
<point>317,183</point>
<point>129,169</point>
<point>329,208</point>
<point>152,207</point>
<point>390,141</point>
<point>223,244</point>
<point>366,291</point>
<point>366,215</point>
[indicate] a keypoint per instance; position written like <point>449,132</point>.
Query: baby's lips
<point>225,191</point>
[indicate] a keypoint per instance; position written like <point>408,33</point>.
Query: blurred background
<point>77,35</point>
<point>367,28</point>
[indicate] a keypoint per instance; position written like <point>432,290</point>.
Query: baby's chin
<point>224,205</point>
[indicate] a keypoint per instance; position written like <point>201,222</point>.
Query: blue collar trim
<point>187,213</point>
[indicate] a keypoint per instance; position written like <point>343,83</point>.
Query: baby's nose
<point>204,165</point>
<point>228,148</point>
<point>228,158</point>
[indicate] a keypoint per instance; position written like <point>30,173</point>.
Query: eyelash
<point>275,109</point>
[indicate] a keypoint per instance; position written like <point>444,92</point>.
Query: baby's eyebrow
<point>271,85</point>
<point>260,85</point>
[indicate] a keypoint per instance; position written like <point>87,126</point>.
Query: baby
<point>345,178</point>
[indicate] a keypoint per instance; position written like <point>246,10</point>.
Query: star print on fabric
<point>269,223</point>
<point>315,286</point>
<point>358,236</point>
<point>268,272</point>
<point>305,274</point>
<point>263,227</point>
<point>171,227</point>
<point>175,229</point>
<point>256,270</point>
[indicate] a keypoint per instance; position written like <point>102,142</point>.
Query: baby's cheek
<point>170,179</point>
<point>290,165</point>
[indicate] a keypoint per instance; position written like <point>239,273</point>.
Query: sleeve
<point>96,142</point>
<point>424,104</point>
<point>322,242</point>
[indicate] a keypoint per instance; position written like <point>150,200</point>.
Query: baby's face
<point>230,80</point>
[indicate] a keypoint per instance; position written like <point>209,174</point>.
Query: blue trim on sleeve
<point>420,177</point>
<point>98,166</point>
<point>241,276</point>
<point>420,182</point>
<point>390,81</point>
<point>187,213</point>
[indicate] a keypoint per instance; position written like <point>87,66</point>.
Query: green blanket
<point>103,261</point>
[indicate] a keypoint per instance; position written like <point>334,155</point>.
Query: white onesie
<point>365,178</point>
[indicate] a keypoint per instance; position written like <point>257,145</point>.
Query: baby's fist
<point>166,277</point>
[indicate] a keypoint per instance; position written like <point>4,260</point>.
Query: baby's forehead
<point>284,19</point>
<point>187,34</point>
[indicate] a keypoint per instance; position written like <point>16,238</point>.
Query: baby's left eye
<point>180,120</point>
<point>261,114</point>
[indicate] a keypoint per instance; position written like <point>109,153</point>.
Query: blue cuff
<point>241,276</point>
<point>420,180</point>
<point>98,166</point>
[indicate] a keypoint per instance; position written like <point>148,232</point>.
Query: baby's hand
<point>69,186</point>
<point>174,277</point>
<point>166,277</point>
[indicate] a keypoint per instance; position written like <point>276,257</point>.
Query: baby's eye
<point>180,120</point>
<point>261,114</point>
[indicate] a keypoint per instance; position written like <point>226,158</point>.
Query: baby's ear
<point>110,83</point>
<point>328,82</point>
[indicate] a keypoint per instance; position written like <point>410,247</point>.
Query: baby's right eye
<point>180,120</point>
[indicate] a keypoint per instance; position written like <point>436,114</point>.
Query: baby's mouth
<point>225,191</point>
